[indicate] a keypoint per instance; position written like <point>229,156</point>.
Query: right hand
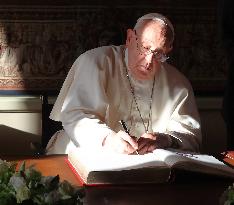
<point>120,142</point>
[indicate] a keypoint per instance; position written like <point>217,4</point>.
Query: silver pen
<point>126,130</point>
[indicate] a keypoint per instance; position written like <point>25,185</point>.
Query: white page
<point>178,155</point>
<point>180,158</point>
<point>103,161</point>
<point>99,160</point>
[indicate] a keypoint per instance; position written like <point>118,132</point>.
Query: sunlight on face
<point>144,46</point>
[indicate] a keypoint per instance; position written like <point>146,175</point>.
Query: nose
<point>149,58</point>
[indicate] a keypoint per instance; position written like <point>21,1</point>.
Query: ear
<point>170,48</point>
<point>130,34</point>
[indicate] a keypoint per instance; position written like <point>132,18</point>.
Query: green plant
<point>28,186</point>
<point>227,198</point>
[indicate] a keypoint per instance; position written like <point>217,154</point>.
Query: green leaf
<point>32,175</point>
<point>7,195</point>
<point>50,182</point>
<point>22,194</point>
<point>65,188</point>
<point>20,187</point>
<point>227,198</point>
<point>22,167</point>
<point>28,186</point>
<point>6,171</point>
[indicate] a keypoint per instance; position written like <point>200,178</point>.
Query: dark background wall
<point>40,40</point>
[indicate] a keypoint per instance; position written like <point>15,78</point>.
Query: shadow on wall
<point>15,142</point>
<point>213,132</point>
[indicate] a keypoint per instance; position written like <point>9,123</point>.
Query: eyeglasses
<point>159,56</point>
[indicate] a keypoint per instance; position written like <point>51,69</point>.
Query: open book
<point>100,167</point>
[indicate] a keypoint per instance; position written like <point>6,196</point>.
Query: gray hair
<point>155,17</point>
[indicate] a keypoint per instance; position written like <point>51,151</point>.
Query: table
<point>48,165</point>
<point>188,191</point>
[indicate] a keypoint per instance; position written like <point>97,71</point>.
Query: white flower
<point>21,189</point>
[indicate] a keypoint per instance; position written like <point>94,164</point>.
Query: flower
<point>28,186</point>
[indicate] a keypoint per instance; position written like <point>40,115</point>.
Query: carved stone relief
<point>39,44</point>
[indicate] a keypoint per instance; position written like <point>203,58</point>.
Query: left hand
<point>151,141</point>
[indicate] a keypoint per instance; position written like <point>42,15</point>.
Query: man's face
<point>147,47</point>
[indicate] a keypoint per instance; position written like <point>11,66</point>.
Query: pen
<point>124,126</point>
<point>126,130</point>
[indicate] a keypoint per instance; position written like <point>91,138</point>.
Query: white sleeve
<point>85,106</point>
<point>184,123</point>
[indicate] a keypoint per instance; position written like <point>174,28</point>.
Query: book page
<point>172,156</point>
<point>193,162</point>
<point>99,160</point>
<point>94,160</point>
<point>102,167</point>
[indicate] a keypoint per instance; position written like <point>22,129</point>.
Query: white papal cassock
<point>96,95</point>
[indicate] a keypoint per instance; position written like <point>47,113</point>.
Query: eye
<point>147,49</point>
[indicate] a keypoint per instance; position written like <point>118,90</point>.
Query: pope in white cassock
<point>131,83</point>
